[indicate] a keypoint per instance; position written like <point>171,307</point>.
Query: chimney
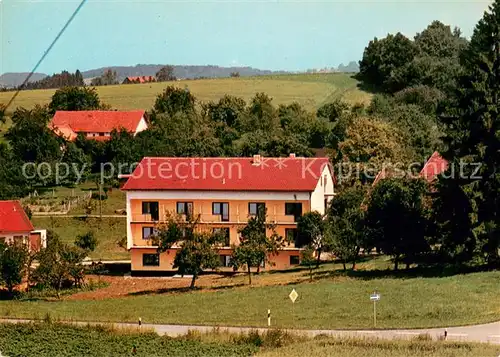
<point>292,155</point>
<point>256,160</point>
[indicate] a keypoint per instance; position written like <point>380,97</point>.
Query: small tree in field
<point>311,232</point>
<point>255,245</point>
<point>197,250</point>
<point>87,241</point>
<point>308,260</point>
<point>12,264</point>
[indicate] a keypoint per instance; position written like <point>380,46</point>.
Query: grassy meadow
<point>335,301</point>
<point>108,232</point>
<point>38,340</point>
<point>310,90</point>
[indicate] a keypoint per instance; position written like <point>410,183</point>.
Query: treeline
<point>57,80</point>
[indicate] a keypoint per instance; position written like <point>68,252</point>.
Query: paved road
<point>477,333</point>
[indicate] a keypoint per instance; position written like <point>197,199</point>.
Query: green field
<point>108,232</point>
<point>38,340</point>
<point>334,302</point>
<point>62,340</point>
<point>310,90</point>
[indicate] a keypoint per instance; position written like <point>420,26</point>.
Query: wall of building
<point>281,261</point>
<point>323,190</point>
<point>141,126</point>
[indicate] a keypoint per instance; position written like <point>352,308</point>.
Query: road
<point>477,333</point>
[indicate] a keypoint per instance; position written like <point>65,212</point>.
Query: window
<point>221,209</point>
<point>256,207</point>
<point>101,134</point>
<point>225,233</point>
<point>294,260</point>
<point>185,208</point>
<point>152,209</point>
<point>291,235</point>
<point>225,260</point>
<point>293,209</point>
<point>147,232</point>
<point>151,260</point>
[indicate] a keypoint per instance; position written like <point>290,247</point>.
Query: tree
<point>255,244</point>
<point>472,122</point>
<point>2,113</point>
<point>198,250</point>
<point>334,110</point>
<point>307,259</point>
<point>13,183</point>
<point>74,98</point>
<point>382,59</point>
<point>87,241</point>
<point>59,263</point>
<point>109,77</point>
<point>345,226</point>
<point>402,201</point>
<point>234,74</point>
<point>174,100</point>
<point>31,139</point>
<point>311,232</point>
<point>166,73</point>
<point>369,144</point>
<point>12,264</point>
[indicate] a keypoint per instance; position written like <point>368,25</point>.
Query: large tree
<point>166,73</point>
<point>311,229</point>
<point>258,241</point>
<point>75,98</point>
<point>396,219</point>
<point>198,250</point>
<point>12,264</point>
<point>174,100</point>
<point>472,134</point>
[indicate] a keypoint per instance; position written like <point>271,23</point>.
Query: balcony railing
<point>210,218</point>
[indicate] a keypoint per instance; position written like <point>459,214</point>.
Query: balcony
<point>218,219</point>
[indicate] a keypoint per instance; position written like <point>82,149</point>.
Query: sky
<point>275,35</point>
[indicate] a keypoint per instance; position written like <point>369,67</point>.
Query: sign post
<point>268,317</point>
<point>375,297</point>
<point>293,296</point>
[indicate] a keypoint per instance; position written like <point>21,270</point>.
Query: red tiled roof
<point>435,166</point>
<point>97,121</point>
<point>227,174</point>
<point>13,219</point>
<point>141,79</point>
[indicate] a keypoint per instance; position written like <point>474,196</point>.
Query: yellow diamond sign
<point>293,295</point>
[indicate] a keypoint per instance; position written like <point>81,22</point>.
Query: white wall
<point>9,238</point>
<point>141,126</point>
<point>323,190</point>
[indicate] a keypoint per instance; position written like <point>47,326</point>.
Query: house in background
<point>434,167</point>
<point>139,79</point>
<point>15,227</point>
<point>96,124</point>
<point>223,193</point>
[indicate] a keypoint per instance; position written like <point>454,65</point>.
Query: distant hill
<point>184,72</point>
<point>9,79</point>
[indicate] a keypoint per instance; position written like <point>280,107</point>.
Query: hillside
<point>310,90</point>
<point>15,79</point>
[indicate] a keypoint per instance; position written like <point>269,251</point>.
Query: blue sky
<point>288,35</point>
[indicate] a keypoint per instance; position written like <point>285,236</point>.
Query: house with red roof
<point>96,124</point>
<point>16,227</point>
<point>222,193</point>
<point>434,167</point>
<point>139,79</point>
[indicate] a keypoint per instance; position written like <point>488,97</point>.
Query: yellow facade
<point>237,218</point>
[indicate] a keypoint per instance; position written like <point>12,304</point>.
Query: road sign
<point>374,297</point>
<point>293,295</point>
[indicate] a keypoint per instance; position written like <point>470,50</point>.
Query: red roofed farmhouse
<point>96,124</point>
<point>435,166</point>
<point>139,79</point>
<point>223,193</point>
<point>15,226</point>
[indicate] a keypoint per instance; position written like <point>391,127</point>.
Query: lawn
<point>108,232</point>
<point>310,90</point>
<point>335,301</point>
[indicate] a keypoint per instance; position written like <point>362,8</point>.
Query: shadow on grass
<point>183,290</point>
<point>417,272</point>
